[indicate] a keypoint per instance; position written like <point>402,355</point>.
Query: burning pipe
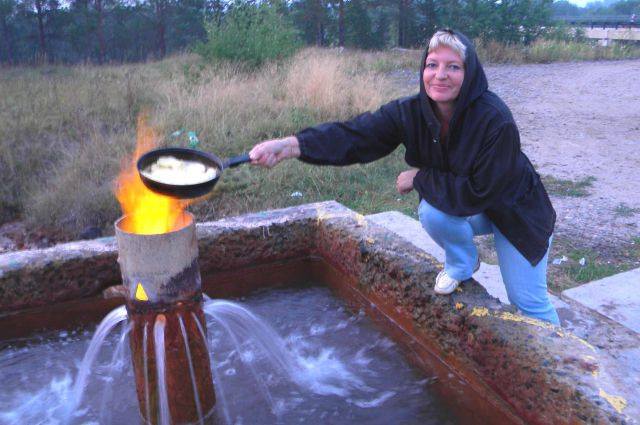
<point>168,337</point>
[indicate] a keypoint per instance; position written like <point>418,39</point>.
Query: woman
<point>469,171</point>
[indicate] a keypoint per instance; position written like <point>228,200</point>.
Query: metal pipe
<point>162,269</point>
<point>162,280</point>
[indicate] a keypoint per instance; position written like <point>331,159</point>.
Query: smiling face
<point>443,76</point>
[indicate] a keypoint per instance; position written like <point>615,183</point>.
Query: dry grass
<point>57,122</point>
<point>494,52</point>
<point>545,51</point>
<point>327,84</point>
<point>67,129</point>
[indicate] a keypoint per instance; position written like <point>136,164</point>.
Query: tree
<point>535,16</point>
<point>131,31</point>
<point>341,23</point>
<point>41,10</point>
<point>449,14</point>
<point>186,24</point>
<point>214,11</point>
<point>359,32</point>
<point>429,22</point>
<point>98,5</point>
<point>403,21</point>
<point>521,21</point>
<point>251,33</point>
<point>564,8</point>
<point>477,18</point>
<point>627,7</point>
<point>40,7</point>
<point>160,8</point>
<point>81,16</point>
<point>7,8</point>
<point>382,20</point>
<point>312,19</point>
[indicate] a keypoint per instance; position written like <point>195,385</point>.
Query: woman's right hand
<point>270,152</point>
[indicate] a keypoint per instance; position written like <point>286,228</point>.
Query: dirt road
<point>581,121</point>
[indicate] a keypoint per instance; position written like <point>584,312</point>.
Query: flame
<point>141,294</point>
<point>147,212</point>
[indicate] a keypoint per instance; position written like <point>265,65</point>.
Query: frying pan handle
<point>237,160</point>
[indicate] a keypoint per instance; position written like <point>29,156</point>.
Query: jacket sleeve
<point>465,195</point>
<point>364,138</point>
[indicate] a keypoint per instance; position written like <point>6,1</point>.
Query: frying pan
<point>184,191</point>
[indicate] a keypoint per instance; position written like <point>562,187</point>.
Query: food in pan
<point>175,171</point>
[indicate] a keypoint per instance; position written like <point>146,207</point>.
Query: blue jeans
<point>526,285</point>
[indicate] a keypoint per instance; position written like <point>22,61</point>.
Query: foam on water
<point>280,356</point>
<point>45,378</point>
<point>333,364</point>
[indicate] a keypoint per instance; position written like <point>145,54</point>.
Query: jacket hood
<point>473,86</point>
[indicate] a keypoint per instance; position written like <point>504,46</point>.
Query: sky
<point>581,3</point>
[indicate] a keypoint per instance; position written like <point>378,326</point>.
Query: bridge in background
<point>605,28</point>
<point>605,21</point>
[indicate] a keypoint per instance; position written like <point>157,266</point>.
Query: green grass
<point>623,210</point>
<point>597,263</point>
<point>592,269</point>
<point>370,188</point>
<point>561,187</point>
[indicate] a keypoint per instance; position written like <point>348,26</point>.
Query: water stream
<point>280,356</point>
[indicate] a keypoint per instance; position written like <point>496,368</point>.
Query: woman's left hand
<point>404,182</point>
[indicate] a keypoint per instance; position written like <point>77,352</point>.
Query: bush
<point>250,33</point>
<point>561,31</point>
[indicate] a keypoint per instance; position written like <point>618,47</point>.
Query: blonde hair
<point>449,39</point>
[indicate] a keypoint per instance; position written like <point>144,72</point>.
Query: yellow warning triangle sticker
<point>140,293</point>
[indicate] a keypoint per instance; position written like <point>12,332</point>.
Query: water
<point>280,356</point>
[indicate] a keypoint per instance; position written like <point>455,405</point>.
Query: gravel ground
<point>578,121</point>
<point>581,122</point>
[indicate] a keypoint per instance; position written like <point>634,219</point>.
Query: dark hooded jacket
<point>478,168</point>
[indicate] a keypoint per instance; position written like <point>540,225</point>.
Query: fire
<point>141,294</point>
<point>147,212</point>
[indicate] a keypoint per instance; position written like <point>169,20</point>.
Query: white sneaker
<point>446,284</point>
